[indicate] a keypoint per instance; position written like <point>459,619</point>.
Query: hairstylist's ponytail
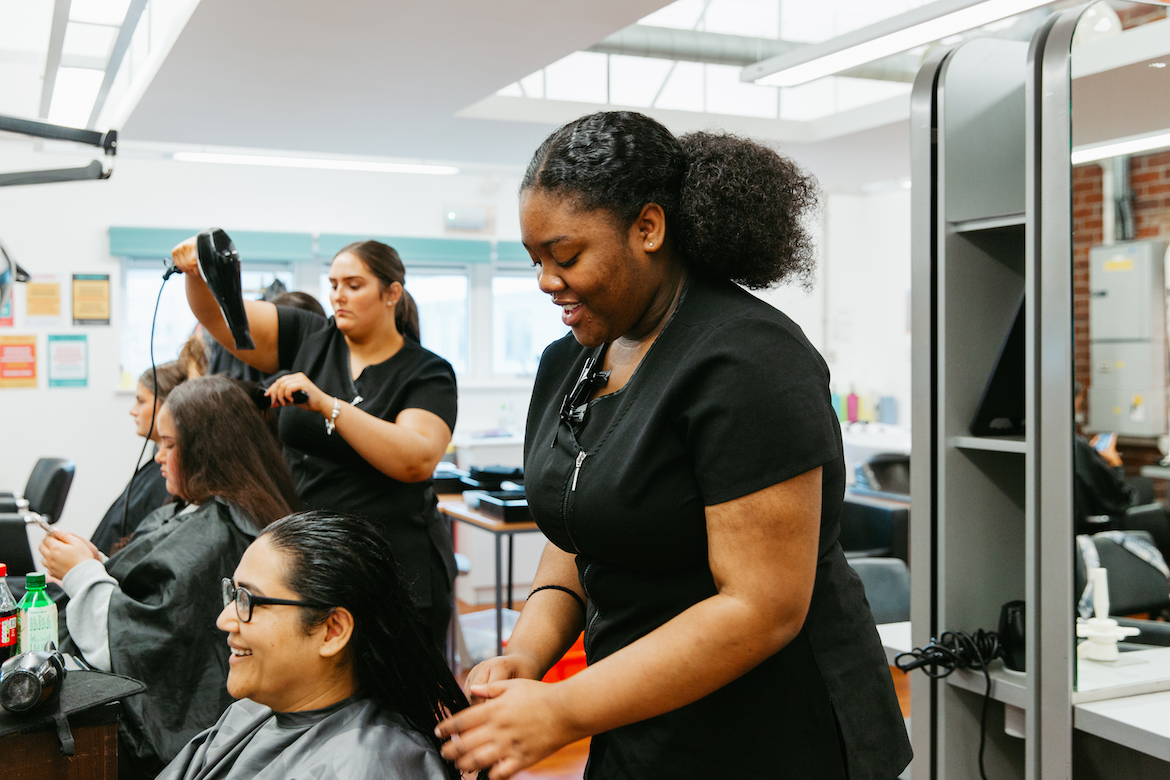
<point>406,316</point>
<point>734,207</point>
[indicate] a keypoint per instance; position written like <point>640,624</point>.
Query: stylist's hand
<point>519,723</point>
<point>281,392</point>
<point>504,667</point>
<point>186,257</point>
<point>62,551</point>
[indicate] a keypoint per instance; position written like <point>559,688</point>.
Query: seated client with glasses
<point>336,673</point>
<point>149,610</point>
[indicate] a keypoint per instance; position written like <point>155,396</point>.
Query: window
<point>142,279</point>
<point>524,322</point>
<point>442,300</point>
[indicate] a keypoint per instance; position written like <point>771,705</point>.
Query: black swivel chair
<point>1134,587</point>
<point>1150,518</point>
<point>48,487</point>
<point>46,490</point>
<point>887,587</point>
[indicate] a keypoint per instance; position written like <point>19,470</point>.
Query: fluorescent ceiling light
<point>1137,145</point>
<point>925,24</point>
<point>307,162</point>
<point>74,94</point>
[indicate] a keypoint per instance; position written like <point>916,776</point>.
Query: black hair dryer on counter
<point>219,265</point>
<point>31,679</point>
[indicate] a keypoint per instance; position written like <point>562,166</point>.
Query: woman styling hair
<point>380,408</point>
<point>684,460</point>
<point>147,489</point>
<point>149,610</point>
<point>335,671</point>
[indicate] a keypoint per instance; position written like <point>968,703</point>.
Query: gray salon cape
<point>162,625</point>
<point>351,740</point>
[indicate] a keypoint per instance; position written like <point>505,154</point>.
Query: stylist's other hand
<point>281,392</point>
<point>503,667</point>
<point>519,723</point>
<point>186,257</point>
<point>60,553</point>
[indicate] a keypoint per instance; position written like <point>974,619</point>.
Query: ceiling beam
<point>117,54</point>
<point>53,60</point>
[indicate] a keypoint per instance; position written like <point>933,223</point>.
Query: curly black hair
<point>734,207</point>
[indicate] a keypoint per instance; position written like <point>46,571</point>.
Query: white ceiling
<point>364,77</point>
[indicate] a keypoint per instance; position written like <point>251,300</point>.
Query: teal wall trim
<point>254,246</point>
<point>513,252</point>
<point>414,250</point>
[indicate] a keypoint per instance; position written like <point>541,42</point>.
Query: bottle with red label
<point>9,646</point>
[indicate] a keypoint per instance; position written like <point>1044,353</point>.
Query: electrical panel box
<point>1127,338</point>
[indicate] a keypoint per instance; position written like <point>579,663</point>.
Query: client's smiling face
<point>273,661</point>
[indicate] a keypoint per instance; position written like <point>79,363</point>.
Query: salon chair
<point>1150,518</point>
<point>887,587</point>
<point>873,527</point>
<point>46,490</point>
<point>1134,585</point>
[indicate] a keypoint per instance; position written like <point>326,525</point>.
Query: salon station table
<point>454,507</point>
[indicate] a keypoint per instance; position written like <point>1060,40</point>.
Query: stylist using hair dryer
<point>380,411</point>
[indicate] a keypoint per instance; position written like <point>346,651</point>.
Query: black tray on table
<point>508,505</point>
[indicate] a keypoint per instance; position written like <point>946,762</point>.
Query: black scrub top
<point>330,474</point>
<point>731,398</point>
<point>146,492</point>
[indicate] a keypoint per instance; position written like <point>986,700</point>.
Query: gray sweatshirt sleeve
<point>89,587</point>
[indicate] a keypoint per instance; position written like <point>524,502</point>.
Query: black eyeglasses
<point>245,601</point>
<point>576,402</point>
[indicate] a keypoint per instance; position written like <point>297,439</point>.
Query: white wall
<point>62,229</point>
<point>867,289</point>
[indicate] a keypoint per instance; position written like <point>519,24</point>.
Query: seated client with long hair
<point>336,672</point>
<point>149,611</point>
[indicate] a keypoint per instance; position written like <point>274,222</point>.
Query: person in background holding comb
<point>380,408</point>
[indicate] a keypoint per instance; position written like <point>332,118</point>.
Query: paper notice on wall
<point>18,361</point>
<point>6,318</point>
<point>68,361</point>
<point>91,299</point>
<point>42,297</point>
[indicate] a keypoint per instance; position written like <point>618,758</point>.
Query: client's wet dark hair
<point>343,561</point>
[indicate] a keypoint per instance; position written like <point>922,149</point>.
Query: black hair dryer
<point>219,265</point>
<point>31,679</point>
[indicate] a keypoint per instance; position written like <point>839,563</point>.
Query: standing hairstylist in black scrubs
<point>691,496</point>
<point>380,411</point>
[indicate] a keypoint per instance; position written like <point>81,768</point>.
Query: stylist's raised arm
<point>261,315</point>
<point>683,458</point>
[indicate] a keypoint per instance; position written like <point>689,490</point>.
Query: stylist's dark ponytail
<point>734,207</point>
<point>384,263</point>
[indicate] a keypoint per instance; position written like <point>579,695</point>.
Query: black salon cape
<point>162,626</point>
<point>730,399</point>
<point>147,491</point>
<point>330,474</point>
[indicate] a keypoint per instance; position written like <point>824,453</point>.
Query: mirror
<point>1120,109</point>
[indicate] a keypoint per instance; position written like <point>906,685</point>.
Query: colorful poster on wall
<point>68,361</point>
<point>6,314</point>
<point>42,297</point>
<point>91,299</point>
<point>18,361</point>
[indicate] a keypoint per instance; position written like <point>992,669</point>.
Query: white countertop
<point>1140,723</point>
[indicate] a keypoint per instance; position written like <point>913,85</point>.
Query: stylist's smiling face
<point>271,655</point>
<point>589,266</point>
<point>357,296</point>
